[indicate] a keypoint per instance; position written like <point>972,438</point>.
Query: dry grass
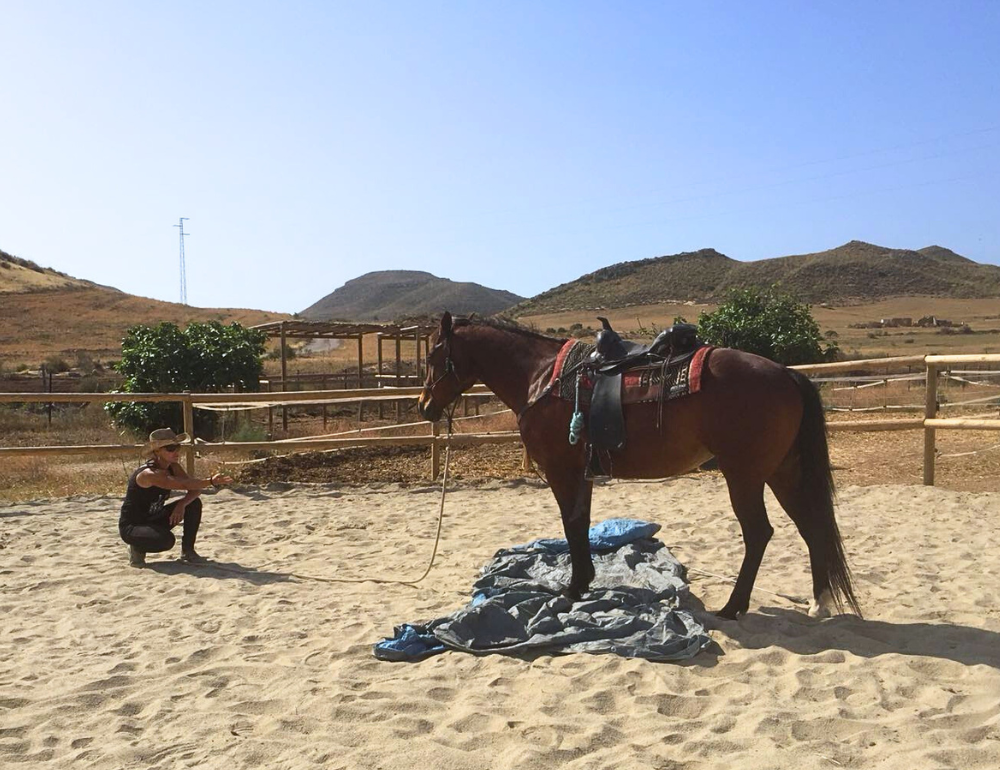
<point>92,319</point>
<point>982,315</point>
<point>16,278</point>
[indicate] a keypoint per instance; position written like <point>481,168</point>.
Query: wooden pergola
<point>339,330</point>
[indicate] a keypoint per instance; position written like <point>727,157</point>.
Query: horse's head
<point>449,371</point>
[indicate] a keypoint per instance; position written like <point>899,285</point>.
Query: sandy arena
<point>258,662</point>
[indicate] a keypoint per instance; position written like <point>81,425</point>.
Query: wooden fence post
<point>323,384</point>
<point>930,411</point>
<point>48,407</point>
<point>435,453</point>
<point>270,416</point>
<point>189,429</point>
<point>284,380</point>
<point>378,373</point>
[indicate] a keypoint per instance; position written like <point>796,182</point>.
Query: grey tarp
<point>631,608</point>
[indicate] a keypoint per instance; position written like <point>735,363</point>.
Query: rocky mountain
<point>854,272</point>
<point>387,295</point>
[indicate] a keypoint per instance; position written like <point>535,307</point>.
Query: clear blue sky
<point>516,144</point>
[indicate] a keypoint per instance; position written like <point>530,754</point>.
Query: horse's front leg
<point>574,492</point>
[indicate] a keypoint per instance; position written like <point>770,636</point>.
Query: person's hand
<point>221,480</point>
<point>177,515</point>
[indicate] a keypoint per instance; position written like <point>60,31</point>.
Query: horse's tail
<point>817,493</point>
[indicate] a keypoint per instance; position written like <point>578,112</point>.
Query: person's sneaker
<point>192,557</point>
<point>136,558</point>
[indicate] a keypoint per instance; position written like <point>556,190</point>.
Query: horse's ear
<point>446,325</point>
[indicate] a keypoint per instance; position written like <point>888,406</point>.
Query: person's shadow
<point>217,570</point>
<point>796,632</point>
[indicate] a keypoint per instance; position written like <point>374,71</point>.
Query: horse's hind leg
<point>747,498</point>
<point>787,488</point>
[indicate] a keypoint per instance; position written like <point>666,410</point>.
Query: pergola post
<point>361,372</point>
<point>378,374</point>
<point>417,346</point>
<point>399,366</point>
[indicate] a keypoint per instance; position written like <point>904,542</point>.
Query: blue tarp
<point>631,608</point>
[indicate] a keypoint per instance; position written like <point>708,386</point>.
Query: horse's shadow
<point>796,632</point>
<point>216,570</point>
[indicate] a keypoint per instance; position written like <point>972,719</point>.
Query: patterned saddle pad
<point>639,385</point>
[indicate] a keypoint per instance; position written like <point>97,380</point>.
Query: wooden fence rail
<point>929,424</point>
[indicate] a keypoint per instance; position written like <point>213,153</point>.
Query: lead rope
<point>576,424</point>
<point>437,537</point>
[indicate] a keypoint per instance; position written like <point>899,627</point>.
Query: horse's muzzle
<point>427,409</point>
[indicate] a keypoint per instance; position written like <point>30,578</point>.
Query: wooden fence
<point>929,423</point>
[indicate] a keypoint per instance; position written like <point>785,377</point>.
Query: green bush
<point>768,322</point>
<point>203,358</point>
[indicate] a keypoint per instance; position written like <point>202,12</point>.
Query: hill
<point>690,275</point>
<point>854,272</point>
<point>387,295</point>
<point>19,275</point>
<point>44,312</point>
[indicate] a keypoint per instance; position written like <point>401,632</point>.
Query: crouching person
<point>146,517</point>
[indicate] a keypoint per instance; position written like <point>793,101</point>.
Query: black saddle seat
<point>611,347</point>
<point>613,353</point>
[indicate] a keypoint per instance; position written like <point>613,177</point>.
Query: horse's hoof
<point>572,593</point>
<point>820,608</point>
<point>729,613</point>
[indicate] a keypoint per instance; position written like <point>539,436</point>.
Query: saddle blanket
<point>639,385</point>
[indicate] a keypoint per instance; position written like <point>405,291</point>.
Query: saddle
<point>614,354</point>
<point>673,349</point>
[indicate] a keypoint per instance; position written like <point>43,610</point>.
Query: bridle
<point>449,366</point>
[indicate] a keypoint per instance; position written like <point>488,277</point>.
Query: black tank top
<point>142,503</point>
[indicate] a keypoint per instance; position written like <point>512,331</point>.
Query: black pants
<point>155,535</point>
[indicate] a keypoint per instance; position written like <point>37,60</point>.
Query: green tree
<point>203,358</point>
<point>768,322</point>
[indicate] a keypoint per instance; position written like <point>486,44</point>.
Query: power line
<point>184,291</point>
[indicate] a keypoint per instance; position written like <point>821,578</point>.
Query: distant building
<point>931,320</point>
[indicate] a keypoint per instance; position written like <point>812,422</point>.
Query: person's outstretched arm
<point>177,478</point>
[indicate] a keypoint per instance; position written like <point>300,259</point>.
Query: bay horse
<point>763,422</point>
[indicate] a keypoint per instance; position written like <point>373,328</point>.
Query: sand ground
<point>259,661</point>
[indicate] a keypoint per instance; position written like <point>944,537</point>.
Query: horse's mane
<point>503,324</point>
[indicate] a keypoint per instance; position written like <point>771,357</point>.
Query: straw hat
<point>162,437</point>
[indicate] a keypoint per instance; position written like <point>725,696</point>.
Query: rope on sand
<point>430,564</point>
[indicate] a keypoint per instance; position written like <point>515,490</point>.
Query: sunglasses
<point>171,447</point>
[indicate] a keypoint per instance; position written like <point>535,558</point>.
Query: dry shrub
<point>31,478</point>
